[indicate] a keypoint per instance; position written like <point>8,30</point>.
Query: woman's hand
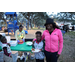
<point>58,55</point>
<point>18,41</point>
<point>23,40</point>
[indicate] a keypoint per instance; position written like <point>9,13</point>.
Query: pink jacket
<point>53,42</point>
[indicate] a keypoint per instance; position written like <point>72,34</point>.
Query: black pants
<point>51,57</point>
<point>38,60</point>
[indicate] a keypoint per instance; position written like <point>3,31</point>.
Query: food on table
<point>21,40</point>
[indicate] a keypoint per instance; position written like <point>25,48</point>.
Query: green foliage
<point>64,16</point>
<point>37,18</point>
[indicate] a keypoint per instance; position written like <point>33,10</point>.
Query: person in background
<point>7,57</point>
<point>20,37</point>
<point>53,41</point>
<point>73,28</point>
<point>20,34</point>
<point>67,28</point>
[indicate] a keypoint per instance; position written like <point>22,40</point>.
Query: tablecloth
<point>20,47</point>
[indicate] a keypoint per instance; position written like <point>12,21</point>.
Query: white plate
<point>36,50</point>
<point>29,43</point>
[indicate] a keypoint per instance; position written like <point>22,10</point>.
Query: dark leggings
<point>51,57</point>
<point>38,60</point>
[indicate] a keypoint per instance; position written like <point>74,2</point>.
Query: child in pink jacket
<point>53,41</point>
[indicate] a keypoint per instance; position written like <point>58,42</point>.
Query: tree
<point>36,18</point>
<point>66,16</point>
<point>2,16</point>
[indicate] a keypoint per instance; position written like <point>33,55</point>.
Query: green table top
<point>20,47</point>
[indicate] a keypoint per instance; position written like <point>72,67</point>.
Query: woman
<point>20,34</point>
<point>20,37</point>
<point>53,41</point>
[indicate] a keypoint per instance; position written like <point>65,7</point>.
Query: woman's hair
<point>38,32</point>
<point>20,26</point>
<point>54,26</point>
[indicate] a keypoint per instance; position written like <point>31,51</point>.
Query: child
<point>38,44</point>
<point>7,51</point>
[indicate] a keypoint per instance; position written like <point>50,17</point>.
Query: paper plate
<point>29,43</point>
<point>36,50</point>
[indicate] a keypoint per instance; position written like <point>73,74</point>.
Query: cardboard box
<point>13,43</point>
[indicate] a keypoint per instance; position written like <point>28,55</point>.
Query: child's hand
<point>11,56</point>
<point>40,50</point>
<point>8,44</point>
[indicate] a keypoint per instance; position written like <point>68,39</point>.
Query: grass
<point>68,52</point>
<point>70,33</point>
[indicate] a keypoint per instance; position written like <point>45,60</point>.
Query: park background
<point>36,21</point>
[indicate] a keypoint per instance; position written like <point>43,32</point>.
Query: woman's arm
<point>60,42</point>
<point>43,46</point>
<point>43,36</point>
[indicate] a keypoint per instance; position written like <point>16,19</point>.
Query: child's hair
<point>38,32</point>
<point>0,37</point>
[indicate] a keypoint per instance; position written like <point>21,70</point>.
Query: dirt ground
<point>68,52</point>
<point>30,35</point>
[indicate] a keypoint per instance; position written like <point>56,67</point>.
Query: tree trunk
<point>30,24</point>
<point>64,22</point>
<point>33,22</point>
<point>28,20</point>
